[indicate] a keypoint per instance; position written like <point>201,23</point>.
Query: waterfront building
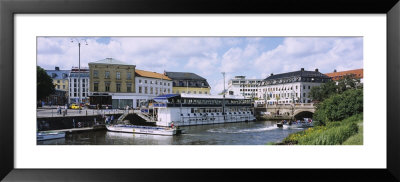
<point>60,78</point>
<point>196,109</point>
<point>111,78</point>
<point>244,87</point>
<point>149,85</point>
<point>291,87</point>
<point>190,83</point>
<point>357,73</point>
<point>79,89</point>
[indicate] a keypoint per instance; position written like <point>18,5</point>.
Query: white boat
<point>195,109</point>
<point>142,129</point>
<point>297,125</point>
<point>49,135</point>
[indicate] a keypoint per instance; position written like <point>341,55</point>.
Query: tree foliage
<point>324,91</point>
<point>339,106</point>
<point>44,84</point>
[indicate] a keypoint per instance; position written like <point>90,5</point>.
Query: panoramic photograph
<point>199,91</point>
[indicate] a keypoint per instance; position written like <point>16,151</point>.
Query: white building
<point>74,89</point>
<point>149,85</point>
<point>240,86</point>
<point>291,87</point>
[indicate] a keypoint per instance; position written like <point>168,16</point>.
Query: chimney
<point>316,70</point>
<point>57,68</point>
<point>272,74</point>
<point>302,69</point>
<point>334,70</point>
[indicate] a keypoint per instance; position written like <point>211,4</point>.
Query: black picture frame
<point>9,8</point>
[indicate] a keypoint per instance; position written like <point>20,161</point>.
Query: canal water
<point>243,133</point>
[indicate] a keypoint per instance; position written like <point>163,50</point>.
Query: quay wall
<point>58,123</point>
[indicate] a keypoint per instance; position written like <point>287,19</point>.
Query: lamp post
<point>223,98</point>
<point>79,67</point>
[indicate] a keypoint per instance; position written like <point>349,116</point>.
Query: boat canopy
<point>164,98</point>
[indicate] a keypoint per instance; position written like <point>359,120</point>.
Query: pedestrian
<point>112,118</point>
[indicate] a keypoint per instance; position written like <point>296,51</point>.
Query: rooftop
<point>58,74</point>
<point>301,73</point>
<point>149,74</point>
<point>359,73</point>
<point>110,61</point>
<point>184,76</point>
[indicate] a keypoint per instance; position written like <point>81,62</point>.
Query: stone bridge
<point>286,111</point>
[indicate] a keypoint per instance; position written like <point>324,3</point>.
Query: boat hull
<point>142,129</point>
<point>49,136</point>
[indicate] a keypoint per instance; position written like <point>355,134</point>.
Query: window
<point>63,86</point>
<point>63,81</point>
<point>156,91</point>
<point>165,84</point>
<point>75,80</point>
<point>304,94</point>
<point>107,74</point>
<point>95,86</point>
<point>200,92</point>
<point>304,87</point>
<point>118,75</point>
<point>83,94</point>
<point>309,87</point>
<point>140,90</point>
<point>75,94</point>
<point>107,86</point>
<point>194,92</point>
<point>129,75</point>
<point>145,90</point>
<point>169,91</point>
<point>205,92</point>
<point>183,91</point>
<point>160,83</point>
<point>129,87</point>
<point>168,84</point>
<point>95,74</point>
<point>58,86</point>
<point>118,87</point>
<point>151,90</point>
<point>145,81</point>
<point>140,81</point>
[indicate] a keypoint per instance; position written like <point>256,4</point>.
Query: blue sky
<point>253,57</point>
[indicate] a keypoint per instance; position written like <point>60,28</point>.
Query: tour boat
<point>197,109</point>
<point>49,135</point>
<point>142,129</point>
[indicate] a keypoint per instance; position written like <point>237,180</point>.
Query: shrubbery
<point>334,133</point>
<point>339,106</point>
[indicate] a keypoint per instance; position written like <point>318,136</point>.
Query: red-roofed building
<point>358,73</point>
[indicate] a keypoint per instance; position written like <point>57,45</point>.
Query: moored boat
<point>142,129</point>
<point>49,135</point>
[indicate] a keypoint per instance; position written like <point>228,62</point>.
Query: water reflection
<point>244,133</point>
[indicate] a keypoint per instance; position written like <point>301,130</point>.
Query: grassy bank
<point>347,132</point>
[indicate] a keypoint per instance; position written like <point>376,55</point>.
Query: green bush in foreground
<point>356,139</point>
<point>334,133</point>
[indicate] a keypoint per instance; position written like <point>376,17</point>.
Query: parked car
<point>75,106</point>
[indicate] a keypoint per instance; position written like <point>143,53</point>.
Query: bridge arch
<point>301,114</point>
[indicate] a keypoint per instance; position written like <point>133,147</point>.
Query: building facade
<point>79,85</point>
<point>149,85</point>
<point>190,83</point>
<point>291,87</point>
<point>244,87</point>
<point>60,78</point>
<point>111,77</point>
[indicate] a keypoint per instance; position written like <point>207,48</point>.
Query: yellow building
<point>190,83</point>
<point>110,77</point>
<point>60,78</point>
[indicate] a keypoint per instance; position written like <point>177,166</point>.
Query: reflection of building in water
<point>120,138</point>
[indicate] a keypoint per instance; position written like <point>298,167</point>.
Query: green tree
<point>44,84</point>
<point>348,82</point>
<point>324,91</point>
<point>339,106</point>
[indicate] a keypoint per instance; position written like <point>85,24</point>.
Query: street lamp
<point>79,66</point>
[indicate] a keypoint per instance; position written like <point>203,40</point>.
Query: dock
<point>75,130</point>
